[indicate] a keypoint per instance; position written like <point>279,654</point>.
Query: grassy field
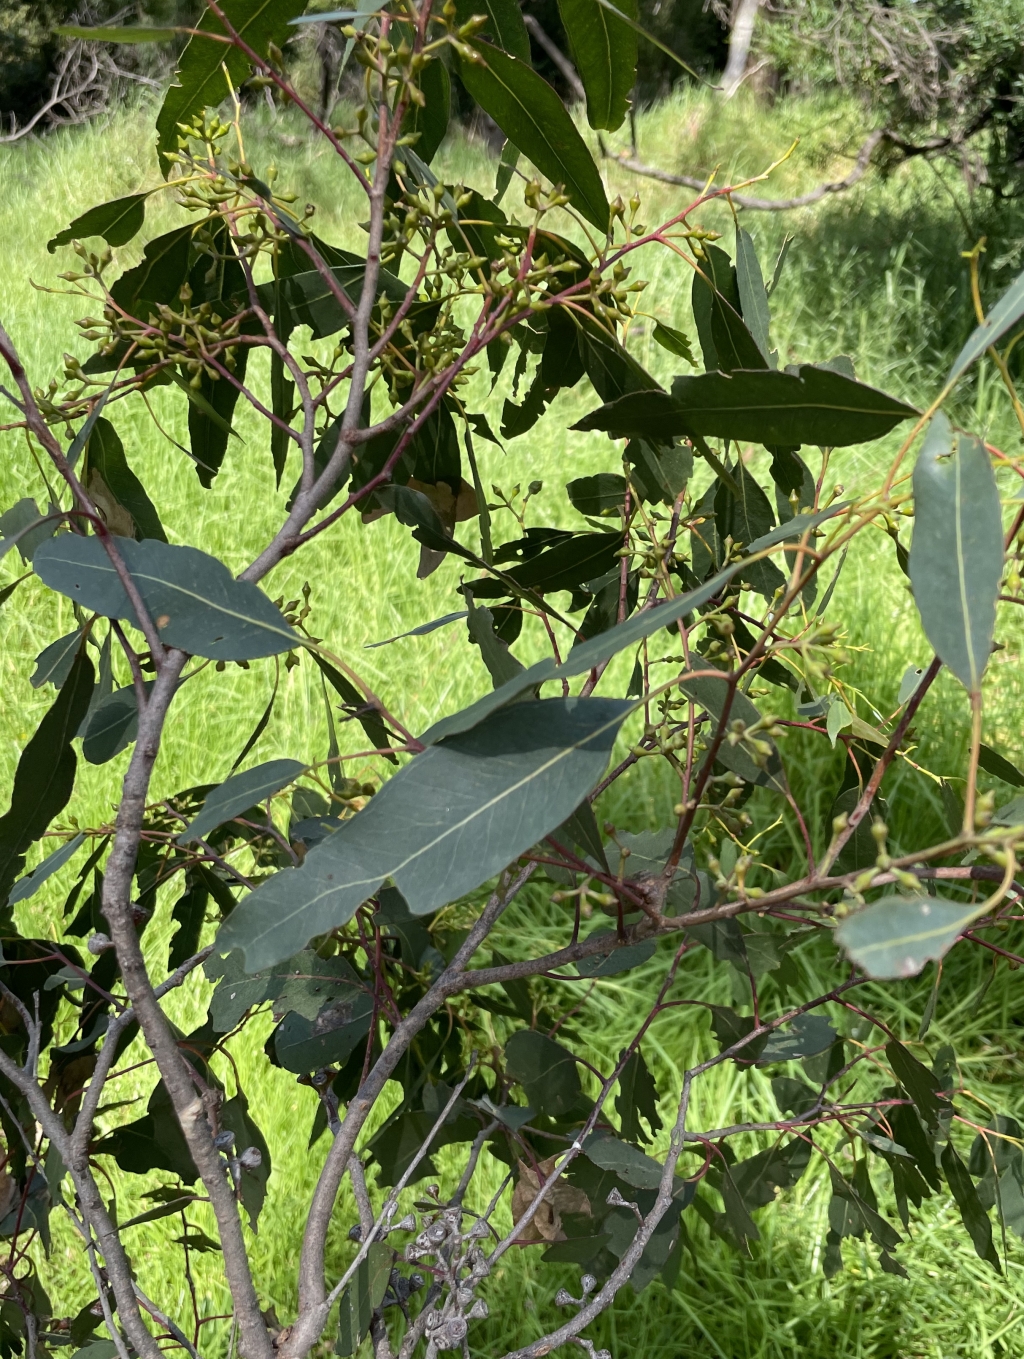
<point>876,274</point>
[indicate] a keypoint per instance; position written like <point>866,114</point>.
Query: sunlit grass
<point>876,274</point>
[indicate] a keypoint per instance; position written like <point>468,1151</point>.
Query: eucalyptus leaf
<point>117,221</point>
<point>240,792</point>
<point>192,598</point>
<point>956,557</point>
<point>1005,314</point>
<point>896,936</point>
<point>604,51</point>
<point>30,884</point>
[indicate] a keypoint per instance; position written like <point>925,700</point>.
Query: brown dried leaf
<point>546,1223</point>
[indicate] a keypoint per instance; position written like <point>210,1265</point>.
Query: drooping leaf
<point>532,116</point>
<point>431,121</point>
<point>1006,313</point>
<point>811,406</point>
<point>956,557</point>
<point>505,26</point>
<point>602,494</point>
<point>501,664</point>
<point>446,822</point>
<point>238,793</point>
<point>362,1297</point>
<point>30,884</point>
<point>22,526</point>
<point>105,458</point>
<point>753,298</point>
<point>157,277</point>
<point>117,222</point>
<point>366,714</point>
<point>604,50</point>
<point>896,936</point>
<point>255,1170</point>
<point>675,341</point>
<point>45,774</point>
<point>192,598</point>
<point>713,695</point>
<point>919,1083</point>
<point>973,1216</point>
<point>189,914</point>
<point>422,629</point>
<point>546,1071</point>
<point>200,81</point>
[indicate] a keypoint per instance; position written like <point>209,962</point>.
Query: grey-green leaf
<point>956,557</point>
<point>117,222</point>
<point>1006,313</point>
<point>113,725</point>
<point>545,1070</point>
<point>53,664</point>
<point>712,694</point>
<point>532,116</point>
<point>896,936</point>
<point>192,598</point>
<point>240,792</point>
<point>449,820</point>
<point>753,298</point>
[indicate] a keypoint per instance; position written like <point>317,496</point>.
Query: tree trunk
<point>744,17</point>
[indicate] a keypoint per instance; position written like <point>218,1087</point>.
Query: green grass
<point>877,274</point>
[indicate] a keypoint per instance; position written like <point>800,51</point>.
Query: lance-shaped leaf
<point>606,644</point>
<point>117,222</point>
<point>107,475</point>
<point>532,116</point>
<point>199,79</point>
<point>449,820</point>
<point>972,1214</point>
<point>956,558</point>
<point>54,662</point>
<point>362,1297</point>
<point>743,757</point>
<point>811,406</point>
<point>604,50</point>
<point>30,884</point>
<point>753,298</point>
<point>1006,313</point>
<point>896,936</point>
<point>46,773</point>
<point>505,26</point>
<point>193,599</point>
<point>240,792</point>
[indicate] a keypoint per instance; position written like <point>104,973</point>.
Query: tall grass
<point>876,274</point>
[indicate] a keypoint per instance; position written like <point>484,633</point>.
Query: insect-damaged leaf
<point>896,936</point>
<point>956,557</point>
<point>604,50</point>
<point>117,222</point>
<point>637,1097</point>
<point>532,116</point>
<point>107,475</point>
<point>200,81</point>
<point>811,406</point>
<point>192,598</point>
<point>46,773</point>
<point>545,1070</point>
<point>450,819</point>
<point>240,792</point>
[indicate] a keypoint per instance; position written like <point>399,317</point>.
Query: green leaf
<point>531,115</point>
<point>995,764</point>
<point>302,1044</point>
<point>973,1216</point>
<point>811,406</point>
<point>192,598</point>
<point>22,526</point>
<point>917,1081</point>
<point>506,169</point>
<point>637,1098</point>
<point>53,664</point>
<point>804,1036</point>
<point>30,884</point>
<point>127,33</point>
<point>431,121</point>
<point>545,1070</point>
<point>501,664</point>
<point>189,913</point>
<point>604,50</point>
<point>199,80</point>
<point>956,557</point>
<point>421,630</point>
<point>158,276</point>
<point>602,494</point>
<point>105,458</point>
<point>446,822</point>
<point>113,725</point>
<point>505,27</point>
<point>617,959</point>
<point>675,341</point>
<point>117,222</point>
<point>745,515</point>
<point>238,793</point>
<point>252,1189</point>
<point>45,775</point>
<point>362,1297</point>
<point>1006,313</point>
<point>753,298</point>
<point>896,936</point>
<point>582,558</point>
